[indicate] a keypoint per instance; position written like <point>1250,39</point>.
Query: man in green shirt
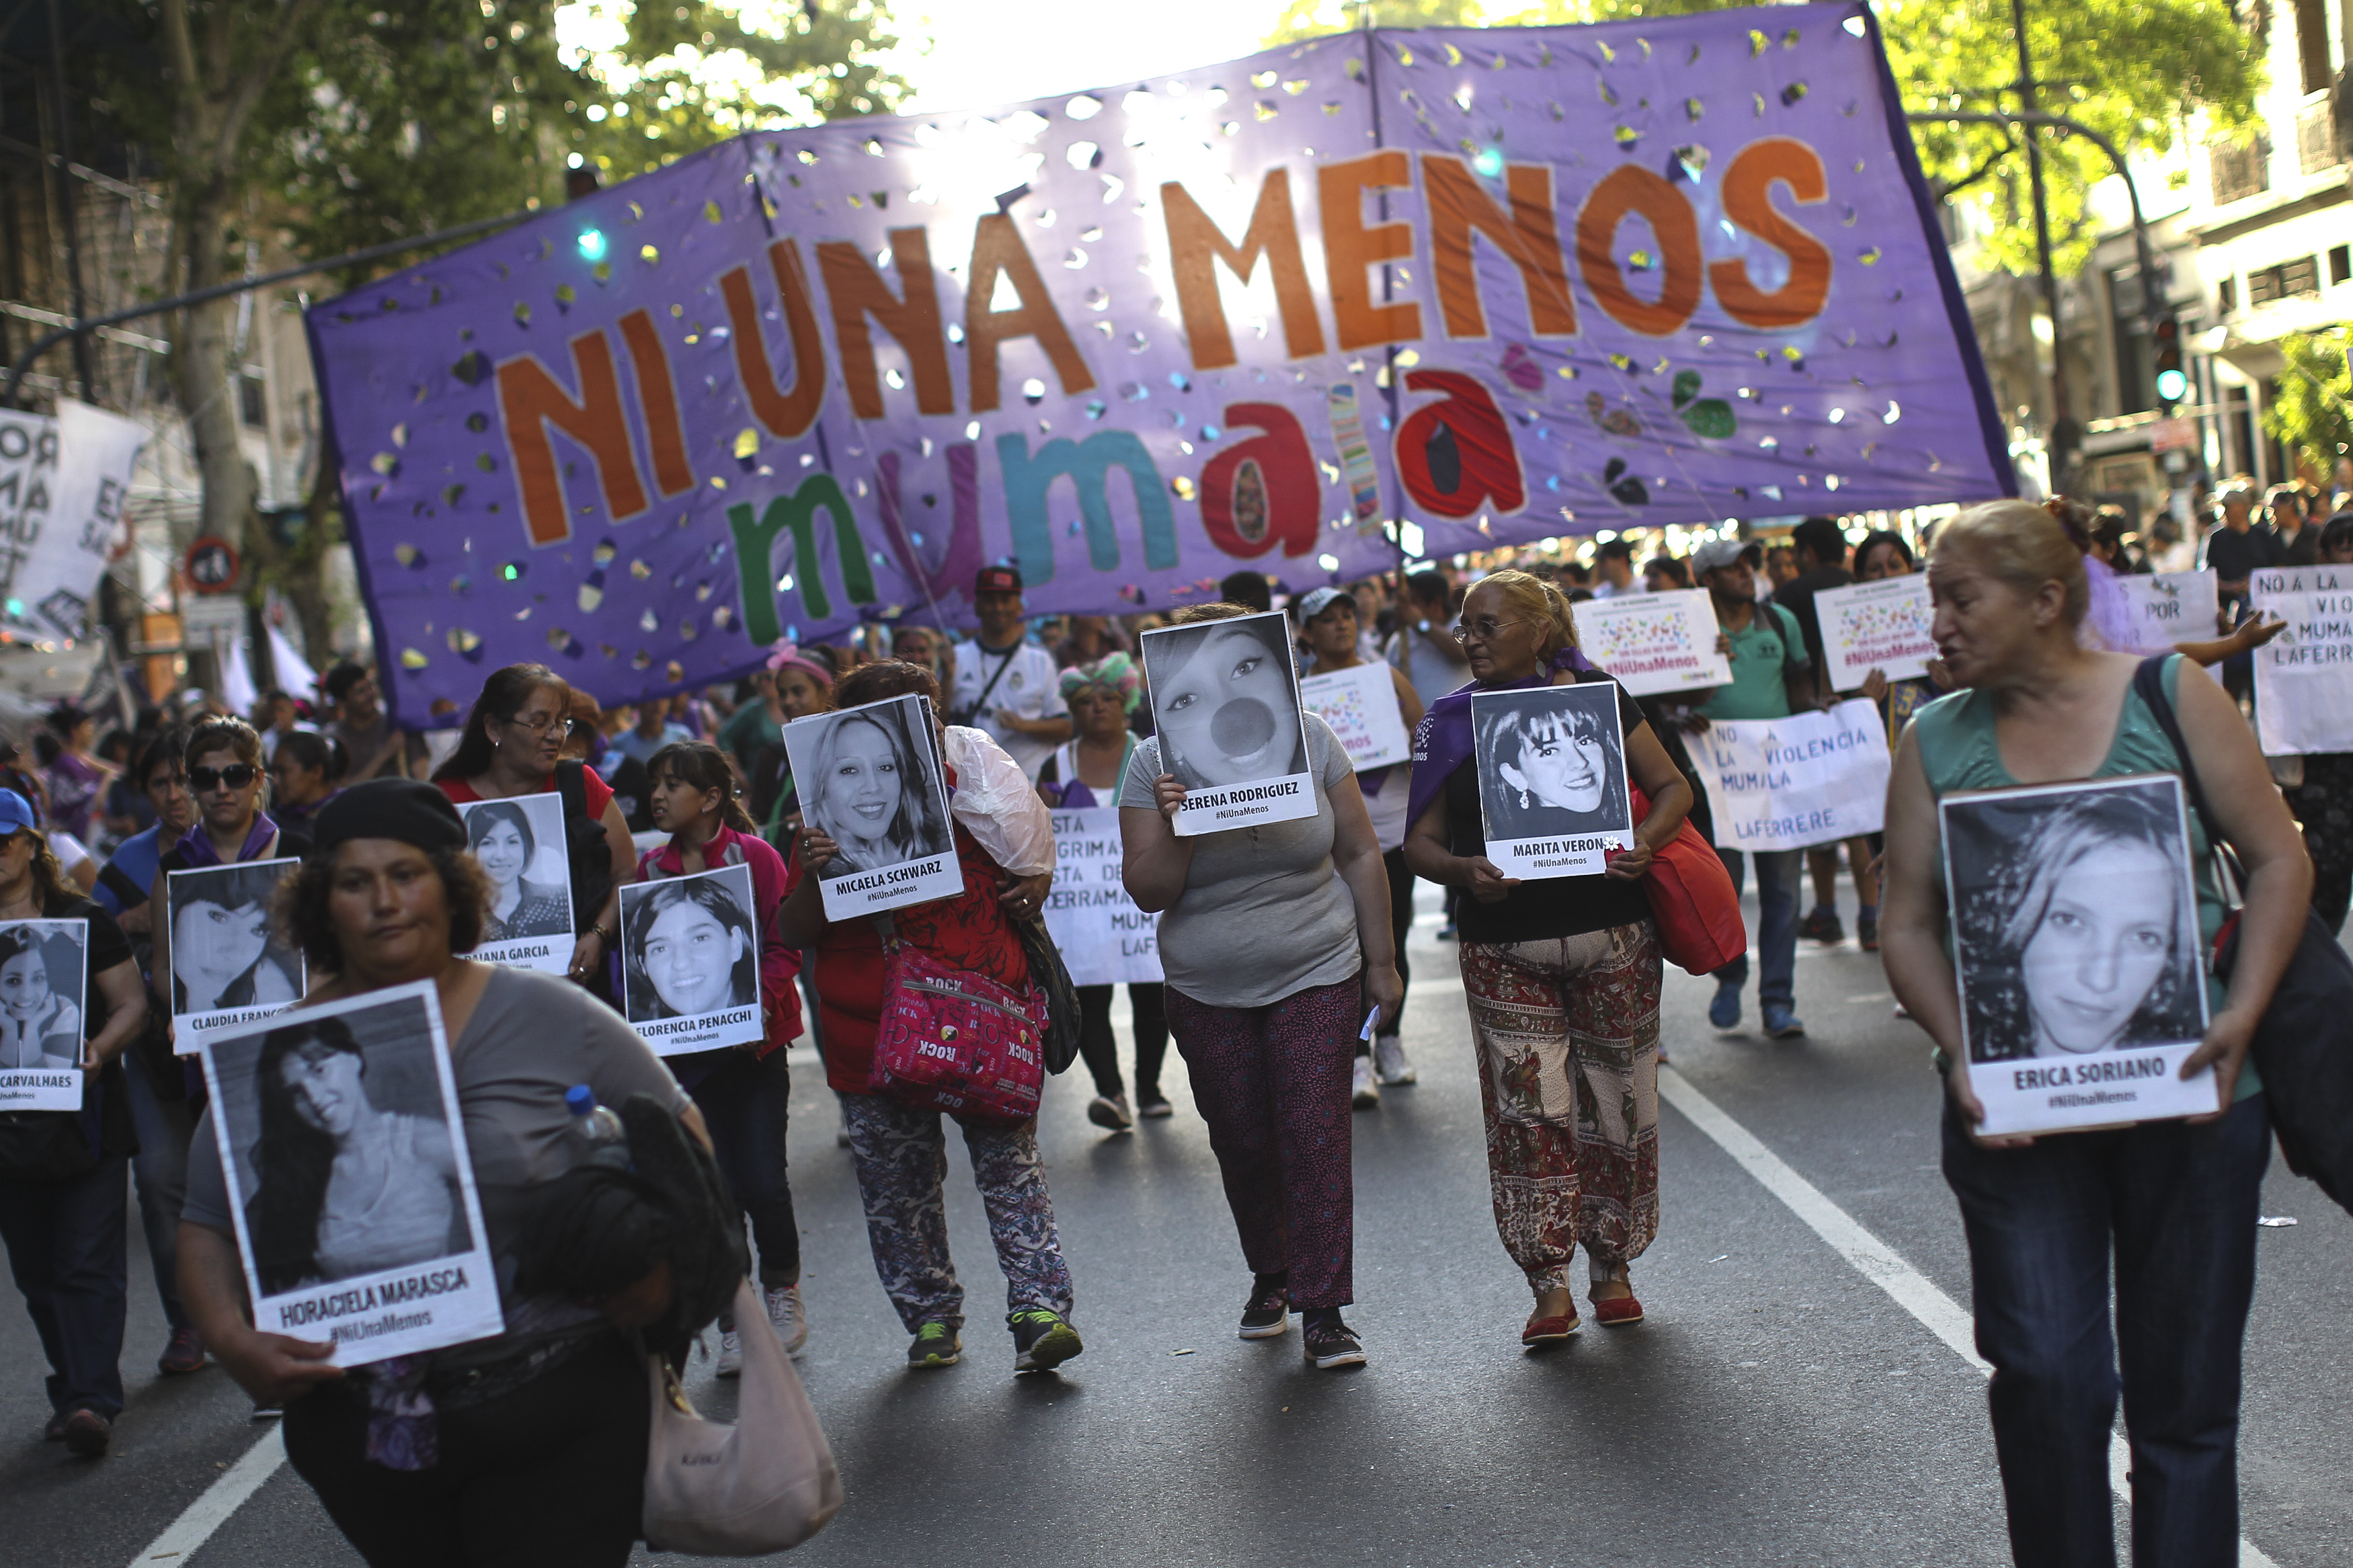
<point>1771,679</point>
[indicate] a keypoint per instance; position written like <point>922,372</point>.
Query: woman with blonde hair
<point>1562,977</point>
<point>2174,1202</point>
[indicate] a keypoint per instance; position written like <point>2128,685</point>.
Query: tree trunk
<point>207,378</point>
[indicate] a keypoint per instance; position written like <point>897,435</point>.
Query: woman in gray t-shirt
<point>1273,961</point>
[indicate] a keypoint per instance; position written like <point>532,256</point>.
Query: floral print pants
<point>902,1155</point>
<point>1566,1033</point>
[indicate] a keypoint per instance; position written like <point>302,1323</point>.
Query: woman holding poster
<point>1276,941</point>
<point>511,746</point>
<point>1084,773</point>
<point>1328,625</point>
<point>227,961</point>
<point>2174,1202</point>
<point>745,1091</point>
<point>900,1149</point>
<point>529,1445</point>
<point>61,1210</point>
<point>1561,973</point>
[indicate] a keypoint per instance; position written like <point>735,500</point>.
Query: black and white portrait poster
<point>44,966</point>
<point>1552,779</point>
<point>228,965</point>
<point>690,960</point>
<point>348,1177</point>
<point>521,844</point>
<point>2075,938</point>
<point>1225,704</point>
<point>871,781</point>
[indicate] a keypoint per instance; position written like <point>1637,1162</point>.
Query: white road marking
<point>1868,1256</point>
<point>222,1499</point>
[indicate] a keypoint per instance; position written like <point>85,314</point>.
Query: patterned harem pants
<point>1272,1083</point>
<point>902,1154</point>
<point>1567,1033</point>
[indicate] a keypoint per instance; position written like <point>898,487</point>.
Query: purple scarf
<point>196,848</point>
<point>1442,741</point>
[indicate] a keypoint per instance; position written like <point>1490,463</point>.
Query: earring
<point>1523,800</point>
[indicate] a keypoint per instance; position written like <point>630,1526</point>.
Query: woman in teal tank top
<point>2174,1202</point>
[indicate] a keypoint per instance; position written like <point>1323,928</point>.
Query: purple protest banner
<point>1455,289</point>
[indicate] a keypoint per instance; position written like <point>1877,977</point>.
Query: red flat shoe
<point>1550,1330</point>
<point>1619,1312</point>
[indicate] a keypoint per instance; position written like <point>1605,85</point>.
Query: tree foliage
<point>2312,414</point>
<point>2137,71</point>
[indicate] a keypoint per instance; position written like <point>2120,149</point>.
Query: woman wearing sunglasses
<point>225,775</point>
<point>513,745</point>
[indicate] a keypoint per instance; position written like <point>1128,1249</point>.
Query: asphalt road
<point>1777,1407</point>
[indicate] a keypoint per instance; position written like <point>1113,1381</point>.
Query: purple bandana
<point>1442,741</point>
<point>196,848</point>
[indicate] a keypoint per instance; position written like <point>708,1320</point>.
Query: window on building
<point>2240,172</point>
<point>2340,264</point>
<point>251,405</point>
<point>2226,297</point>
<point>2285,281</point>
<point>2312,44</point>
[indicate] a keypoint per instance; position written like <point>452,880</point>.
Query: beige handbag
<point>766,1484</point>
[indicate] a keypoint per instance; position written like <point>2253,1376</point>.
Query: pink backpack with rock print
<point>949,1039</point>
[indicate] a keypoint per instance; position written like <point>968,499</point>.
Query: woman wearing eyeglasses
<point>512,744</point>
<point>225,775</point>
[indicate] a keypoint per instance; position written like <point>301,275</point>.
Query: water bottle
<point>598,1130</point>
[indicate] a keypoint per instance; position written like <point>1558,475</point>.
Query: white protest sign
<point>2304,676</point>
<point>1226,715</point>
<point>28,478</point>
<point>1653,642</point>
<point>1104,939</point>
<point>2170,607</point>
<point>1881,626</point>
<point>1361,705</point>
<point>44,970</point>
<point>2269,584</point>
<point>1785,784</point>
<point>96,453</point>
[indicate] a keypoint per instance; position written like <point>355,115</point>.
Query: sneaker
<point>1042,1340</point>
<point>1366,1093</point>
<point>1332,1344</point>
<point>1152,1107</point>
<point>87,1433</point>
<point>730,1353</point>
<point>786,1316</point>
<point>1866,932</point>
<point>936,1344</point>
<point>1267,1314</point>
<point>1110,1111</point>
<point>1781,1023</point>
<point>1822,925</point>
<point>1725,1011</point>
<point>184,1352</point>
<point>1390,1064</point>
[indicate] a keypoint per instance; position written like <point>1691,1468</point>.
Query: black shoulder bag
<point>2304,1045</point>
<point>589,852</point>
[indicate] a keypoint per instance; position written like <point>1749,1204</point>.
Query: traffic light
<point>2172,380</point>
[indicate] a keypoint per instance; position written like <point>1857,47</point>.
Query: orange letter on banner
<point>1458,207</point>
<point>1258,493</point>
<point>1456,456</point>
<point>1749,202</point>
<point>658,397</point>
<point>1675,228</point>
<point>1196,246</point>
<point>787,415</point>
<point>856,290</point>
<point>997,250</point>
<point>1349,247</point>
<point>530,399</point>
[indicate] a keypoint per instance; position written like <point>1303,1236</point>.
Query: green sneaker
<point>936,1344</point>
<point>1042,1340</point>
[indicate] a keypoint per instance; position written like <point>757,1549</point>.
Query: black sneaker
<point>87,1433</point>
<point>1823,926</point>
<point>1267,1314</point>
<point>936,1344</point>
<point>1042,1340</point>
<point>1332,1344</point>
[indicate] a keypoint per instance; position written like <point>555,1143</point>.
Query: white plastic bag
<point>997,804</point>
